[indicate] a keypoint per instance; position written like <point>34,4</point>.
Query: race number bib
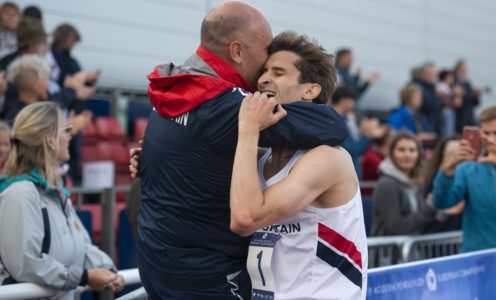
<point>258,264</point>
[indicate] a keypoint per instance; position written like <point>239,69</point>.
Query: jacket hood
<point>387,167</point>
<point>174,90</point>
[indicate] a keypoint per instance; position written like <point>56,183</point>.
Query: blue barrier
<point>464,276</point>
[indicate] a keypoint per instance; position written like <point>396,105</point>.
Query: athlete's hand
<point>257,112</point>
<point>135,154</point>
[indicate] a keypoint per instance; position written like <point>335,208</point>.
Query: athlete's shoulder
<point>329,154</point>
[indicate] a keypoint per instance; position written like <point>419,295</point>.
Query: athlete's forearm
<point>246,192</point>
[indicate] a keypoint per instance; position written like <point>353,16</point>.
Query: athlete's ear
<point>236,51</point>
<point>312,91</point>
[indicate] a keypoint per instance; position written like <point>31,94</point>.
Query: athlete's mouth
<point>269,94</point>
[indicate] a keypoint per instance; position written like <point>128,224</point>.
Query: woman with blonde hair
<point>42,240</point>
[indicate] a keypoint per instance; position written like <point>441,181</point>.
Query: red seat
<point>88,152</point>
<point>109,128</point>
<point>139,128</point>
<point>114,151</point>
<point>89,131</point>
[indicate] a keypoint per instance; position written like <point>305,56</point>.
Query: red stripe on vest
<point>340,243</point>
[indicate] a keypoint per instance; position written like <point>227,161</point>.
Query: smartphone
<point>473,135</point>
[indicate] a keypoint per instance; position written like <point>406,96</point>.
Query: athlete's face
<point>281,79</point>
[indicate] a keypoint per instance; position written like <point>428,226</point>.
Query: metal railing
<point>390,250</point>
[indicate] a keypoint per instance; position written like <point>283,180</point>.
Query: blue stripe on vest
<point>341,263</point>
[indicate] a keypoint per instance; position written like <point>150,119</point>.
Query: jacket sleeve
<point>306,125</point>
<point>22,232</point>
<point>387,208</point>
<point>448,191</point>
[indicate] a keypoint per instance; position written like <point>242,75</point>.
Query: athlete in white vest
<point>303,207</point>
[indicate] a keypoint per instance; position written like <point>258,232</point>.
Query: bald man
<point>186,249</point>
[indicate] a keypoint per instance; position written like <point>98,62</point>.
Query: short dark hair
<point>33,11</point>
<point>443,74</point>
<point>316,65</point>
<point>342,52</point>
<point>64,32</point>
<point>342,92</point>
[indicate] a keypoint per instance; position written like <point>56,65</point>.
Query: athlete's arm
<point>250,207</point>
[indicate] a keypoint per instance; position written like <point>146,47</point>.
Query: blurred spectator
<point>465,113</point>
<point>65,37</point>
<point>344,60</point>
<point>408,116</point>
<point>33,11</point>
<point>4,144</point>
<point>343,101</point>
<point>31,39</point>
<point>451,219</point>
<point>9,19</point>
<point>34,198</point>
<point>474,182</point>
<point>451,97</point>
<point>29,74</point>
<point>3,87</point>
<point>373,156</point>
<point>399,206</point>
<point>431,103</point>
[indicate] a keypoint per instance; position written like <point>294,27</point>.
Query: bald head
<point>229,21</point>
<point>240,35</point>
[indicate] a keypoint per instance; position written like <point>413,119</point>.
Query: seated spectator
<point>408,116</point>
<point>373,156</point>
<point>343,102</point>
<point>10,16</point>
<point>29,74</point>
<point>474,182</point>
<point>4,144</point>
<point>399,206</point>
<point>33,198</point>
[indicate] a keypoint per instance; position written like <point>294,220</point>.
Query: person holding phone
<point>465,175</point>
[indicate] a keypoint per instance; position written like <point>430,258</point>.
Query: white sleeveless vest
<point>321,253</point>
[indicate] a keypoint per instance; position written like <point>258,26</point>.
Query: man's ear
<point>236,51</point>
<point>312,91</point>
